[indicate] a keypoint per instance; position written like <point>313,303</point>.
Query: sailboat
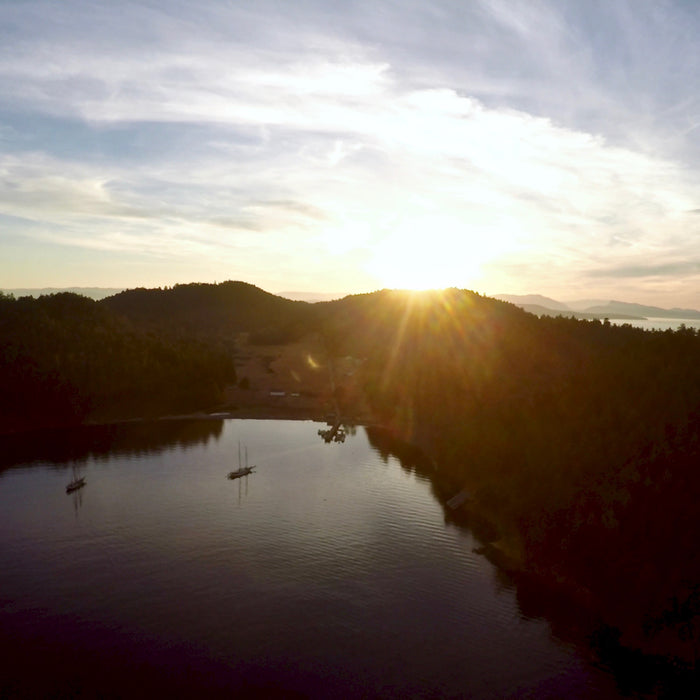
<point>241,471</point>
<point>77,483</point>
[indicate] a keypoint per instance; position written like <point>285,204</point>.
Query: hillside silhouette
<point>213,311</point>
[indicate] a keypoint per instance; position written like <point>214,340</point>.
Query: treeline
<point>580,439</point>
<point>64,357</point>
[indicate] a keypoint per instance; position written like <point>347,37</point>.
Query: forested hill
<point>214,311</point>
<point>64,357</point>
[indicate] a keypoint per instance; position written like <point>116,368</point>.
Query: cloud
<point>290,206</point>
<point>684,268</point>
<point>432,156</point>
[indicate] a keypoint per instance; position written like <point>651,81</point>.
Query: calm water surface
<point>329,571</point>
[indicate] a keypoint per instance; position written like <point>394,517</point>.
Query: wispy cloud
<point>672,269</point>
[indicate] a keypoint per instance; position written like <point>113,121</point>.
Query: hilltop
<point>213,311</point>
<point>90,292</point>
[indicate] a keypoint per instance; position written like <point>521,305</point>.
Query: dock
<point>459,499</point>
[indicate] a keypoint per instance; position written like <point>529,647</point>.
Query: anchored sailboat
<point>77,483</point>
<point>242,470</point>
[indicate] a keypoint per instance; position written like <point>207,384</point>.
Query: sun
<point>426,255</point>
<point>419,266</point>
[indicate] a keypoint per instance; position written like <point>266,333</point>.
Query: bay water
<point>331,571</point>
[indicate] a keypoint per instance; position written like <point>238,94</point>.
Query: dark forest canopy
<point>213,311</point>
<point>64,356</point>
<point>580,440</point>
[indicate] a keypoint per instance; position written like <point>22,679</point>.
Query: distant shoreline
<point>222,413</point>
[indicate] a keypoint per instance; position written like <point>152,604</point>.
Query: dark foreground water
<point>330,571</point>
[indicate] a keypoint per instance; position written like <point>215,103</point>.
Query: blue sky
<point>320,146</point>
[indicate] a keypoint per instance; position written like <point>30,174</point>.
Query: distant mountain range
<point>594,308</point>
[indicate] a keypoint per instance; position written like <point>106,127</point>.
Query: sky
<point>547,147</point>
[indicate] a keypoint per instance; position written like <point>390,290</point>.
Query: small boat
<point>241,471</point>
<point>75,485</point>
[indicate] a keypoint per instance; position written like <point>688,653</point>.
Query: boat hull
<point>240,472</point>
<point>75,485</point>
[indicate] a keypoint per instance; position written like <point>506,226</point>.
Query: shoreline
<point>251,412</point>
<point>621,635</point>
